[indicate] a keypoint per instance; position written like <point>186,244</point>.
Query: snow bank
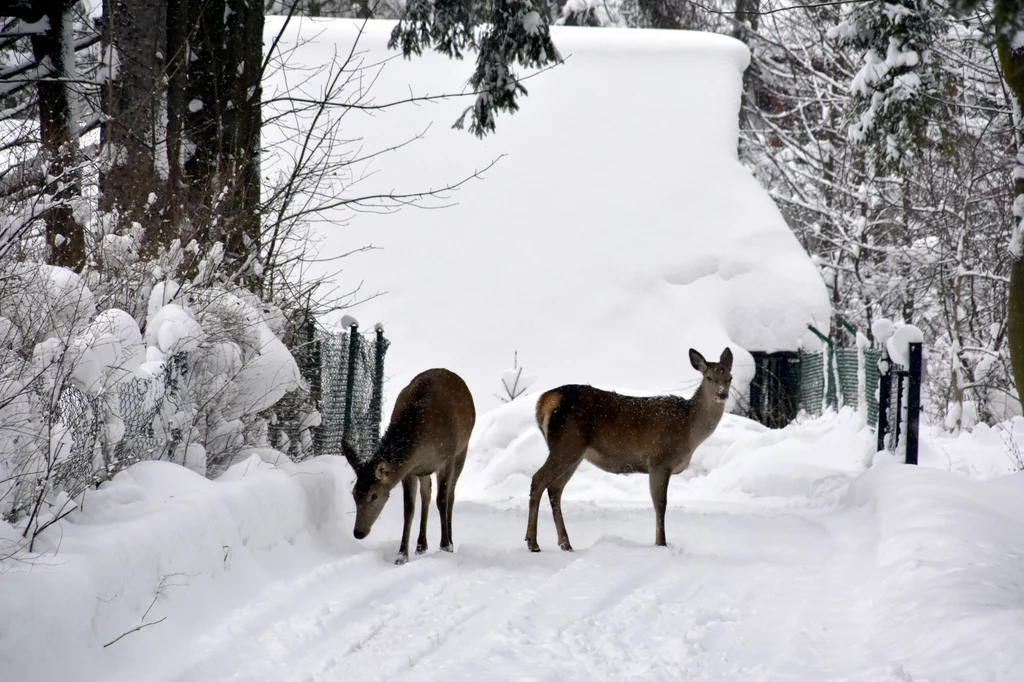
<point>157,529</point>
<point>742,461</point>
<point>948,552</point>
<point>617,230</point>
<point>792,548</point>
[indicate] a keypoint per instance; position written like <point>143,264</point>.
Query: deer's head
<point>371,491</point>
<point>717,375</point>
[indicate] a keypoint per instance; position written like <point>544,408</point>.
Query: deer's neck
<point>706,412</point>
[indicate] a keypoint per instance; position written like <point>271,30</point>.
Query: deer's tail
<point>546,406</point>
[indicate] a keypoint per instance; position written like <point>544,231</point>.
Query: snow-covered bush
<point>188,374</point>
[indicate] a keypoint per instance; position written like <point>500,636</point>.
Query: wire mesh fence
<point>813,381</point>
<point>830,378</point>
<point>344,375</point>
<point>89,455</point>
<point>351,375</point>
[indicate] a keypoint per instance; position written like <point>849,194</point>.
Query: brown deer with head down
<point>428,434</point>
<point>624,435</point>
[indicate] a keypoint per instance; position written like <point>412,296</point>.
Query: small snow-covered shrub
<point>103,370</point>
<point>514,382</point>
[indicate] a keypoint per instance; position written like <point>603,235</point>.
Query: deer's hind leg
<point>564,455</point>
<point>444,480</point>
<point>421,542</point>
<point>455,471</point>
<point>555,497</point>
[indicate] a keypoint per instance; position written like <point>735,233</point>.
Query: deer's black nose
<point>360,534</point>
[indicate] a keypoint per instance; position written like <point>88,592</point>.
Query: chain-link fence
<point>787,382</point>
<point>345,375</point>
<point>351,373</point>
<point>812,381</point>
<point>823,372</point>
<point>141,405</point>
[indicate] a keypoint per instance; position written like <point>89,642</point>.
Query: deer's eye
<point>373,497</point>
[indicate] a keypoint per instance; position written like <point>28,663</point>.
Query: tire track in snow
<point>488,645</point>
<point>750,587</point>
<point>297,614</point>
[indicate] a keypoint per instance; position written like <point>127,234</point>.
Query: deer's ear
<point>383,471</point>
<point>726,358</point>
<point>350,454</point>
<point>698,361</point>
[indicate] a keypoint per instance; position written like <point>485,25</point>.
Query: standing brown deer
<point>428,433</point>
<point>624,435</point>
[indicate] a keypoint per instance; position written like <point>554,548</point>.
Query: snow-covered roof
<point>617,230</point>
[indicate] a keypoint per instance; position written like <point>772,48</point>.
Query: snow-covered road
<point>792,559</point>
<point>743,594</point>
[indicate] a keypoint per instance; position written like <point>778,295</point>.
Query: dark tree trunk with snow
<point>242,128</point>
<point>747,12</point>
<point>1012,62</point>
<point>222,120</point>
<point>175,197</point>
<point>55,49</point>
<point>659,14</point>
<point>133,134</point>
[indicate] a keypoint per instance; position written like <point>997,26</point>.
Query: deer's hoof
<point>532,546</point>
<point>421,549</point>
<point>401,559</point>
<point>566,547</point>
<point>447,548</point>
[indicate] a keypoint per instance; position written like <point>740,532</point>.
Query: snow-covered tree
<point>896,85</point>
<point>516,34</point>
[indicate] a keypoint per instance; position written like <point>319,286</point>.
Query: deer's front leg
<point>409,486</point>
<point>421,543</point>
<point>659,479</point>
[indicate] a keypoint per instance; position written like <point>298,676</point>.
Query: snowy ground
<point>792,558</point>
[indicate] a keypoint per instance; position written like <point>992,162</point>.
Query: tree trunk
<point>55,48</point>
<point>745,25</point>
<point>660,14</point>
<point>205,59</point>
<point>222,125</point>
<point>173,198</point>
<point>1012,63</point>
<point>132,135</point>
<point>242,122</point>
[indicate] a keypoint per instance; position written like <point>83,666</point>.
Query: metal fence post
<point>884,397</point>
<point>313,361</point>
<point>913,401</point>
<point>377,396</point>
<point>350,377</point>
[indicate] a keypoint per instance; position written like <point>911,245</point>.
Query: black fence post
<point>314,375</point>
<point>913,401</point>
<point>901,425</point>
<point>884,397</point>
<point>350,377</point>
<point>377,397</point>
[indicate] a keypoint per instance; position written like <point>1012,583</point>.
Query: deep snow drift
<point>617,230</point>
<point>795,555</point>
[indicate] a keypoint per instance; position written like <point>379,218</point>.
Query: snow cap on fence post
<point>898,344</point>
<point>882,329</point>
